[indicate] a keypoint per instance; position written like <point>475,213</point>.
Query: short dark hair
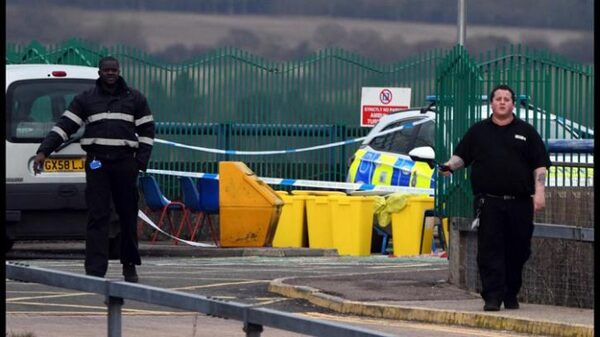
<point>502,87</point>
<point>106,59</point>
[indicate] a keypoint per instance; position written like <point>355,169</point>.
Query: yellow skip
<point>248,208</point>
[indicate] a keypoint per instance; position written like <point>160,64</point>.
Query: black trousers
<point>116,178</point>
<point>504,244</point>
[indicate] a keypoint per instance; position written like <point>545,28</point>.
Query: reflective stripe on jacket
<point>115,124</point>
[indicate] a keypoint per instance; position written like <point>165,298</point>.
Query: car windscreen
<point>407,138</point>
<point>34,106</point>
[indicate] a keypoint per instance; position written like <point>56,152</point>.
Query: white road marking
<point>18,299</point>
<point>220,284</point>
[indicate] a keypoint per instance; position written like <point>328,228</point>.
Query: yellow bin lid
<point>311,192</point>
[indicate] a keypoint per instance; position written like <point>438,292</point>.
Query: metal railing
<point>547,231</point>
<point>116,292</point>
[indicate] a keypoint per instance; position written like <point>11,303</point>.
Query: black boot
<point>491,304</point>
<point>511,302</point>
<point>130,273</point>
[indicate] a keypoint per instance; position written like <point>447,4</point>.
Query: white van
<point>50,204</point>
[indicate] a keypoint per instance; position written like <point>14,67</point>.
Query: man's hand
<point>453,164</point>
<point>445,170</point>
<point>38,162</point>
<point>539,202</point>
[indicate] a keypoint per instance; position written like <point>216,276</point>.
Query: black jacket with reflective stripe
<point>116,125</point>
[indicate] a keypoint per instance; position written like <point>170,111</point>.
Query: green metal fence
<point>459,106</point>
<point>551,87</point>
<point>231,99</point>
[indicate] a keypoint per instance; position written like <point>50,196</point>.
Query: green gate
<point>459,88</point>
<point>544,84</point>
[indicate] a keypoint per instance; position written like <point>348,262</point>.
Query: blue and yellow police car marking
<point>389,170</point>
<point>384,170</point>
<point>361,169</point>
<point>422,175</point>
<point>402,172</point>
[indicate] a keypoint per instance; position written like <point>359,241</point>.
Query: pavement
<point>416,296</point>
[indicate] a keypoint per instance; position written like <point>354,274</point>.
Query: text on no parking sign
<point>375,102</point>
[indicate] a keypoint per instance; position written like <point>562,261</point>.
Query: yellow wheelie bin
<point>318,217</point>
<point>411,235</point>
<point>291,228</point>
<point>352,224</point>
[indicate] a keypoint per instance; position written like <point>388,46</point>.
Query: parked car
<point>49,205</point>
<point>383,158</point>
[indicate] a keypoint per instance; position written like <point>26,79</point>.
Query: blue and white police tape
<point>147,220</point>
<point>310,183</point>
<point>311,148</point>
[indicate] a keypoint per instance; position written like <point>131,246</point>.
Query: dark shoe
<point>491,305</point>
<point>511,303</point>
<point>129,273</point>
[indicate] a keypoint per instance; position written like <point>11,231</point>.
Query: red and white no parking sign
<point>376,102</point>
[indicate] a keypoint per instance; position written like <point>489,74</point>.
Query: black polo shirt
<point>503,158</point>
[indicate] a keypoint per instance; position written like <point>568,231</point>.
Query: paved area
<point>405,294</point>
<point>427,297</point>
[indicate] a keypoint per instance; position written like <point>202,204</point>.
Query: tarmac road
<point>50,312</point>
<point>245,279</point>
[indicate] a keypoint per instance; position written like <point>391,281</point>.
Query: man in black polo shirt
<point>509,161</point>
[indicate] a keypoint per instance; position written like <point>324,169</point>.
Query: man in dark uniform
<point>509,163</point>
<point>118,139</point>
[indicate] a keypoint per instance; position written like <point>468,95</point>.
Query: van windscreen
<point>34,106</point>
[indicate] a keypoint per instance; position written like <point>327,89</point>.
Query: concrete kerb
<point>428,315</point>
<point>76,250</point>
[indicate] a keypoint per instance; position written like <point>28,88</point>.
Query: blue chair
<point>198,202</point>
<point>209,195</point>
<point>156,202</point>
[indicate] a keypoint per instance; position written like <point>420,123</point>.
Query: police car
<point>383,157</point>
<point>50,204</point>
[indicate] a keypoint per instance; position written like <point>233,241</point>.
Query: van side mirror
<point>423,153</point>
